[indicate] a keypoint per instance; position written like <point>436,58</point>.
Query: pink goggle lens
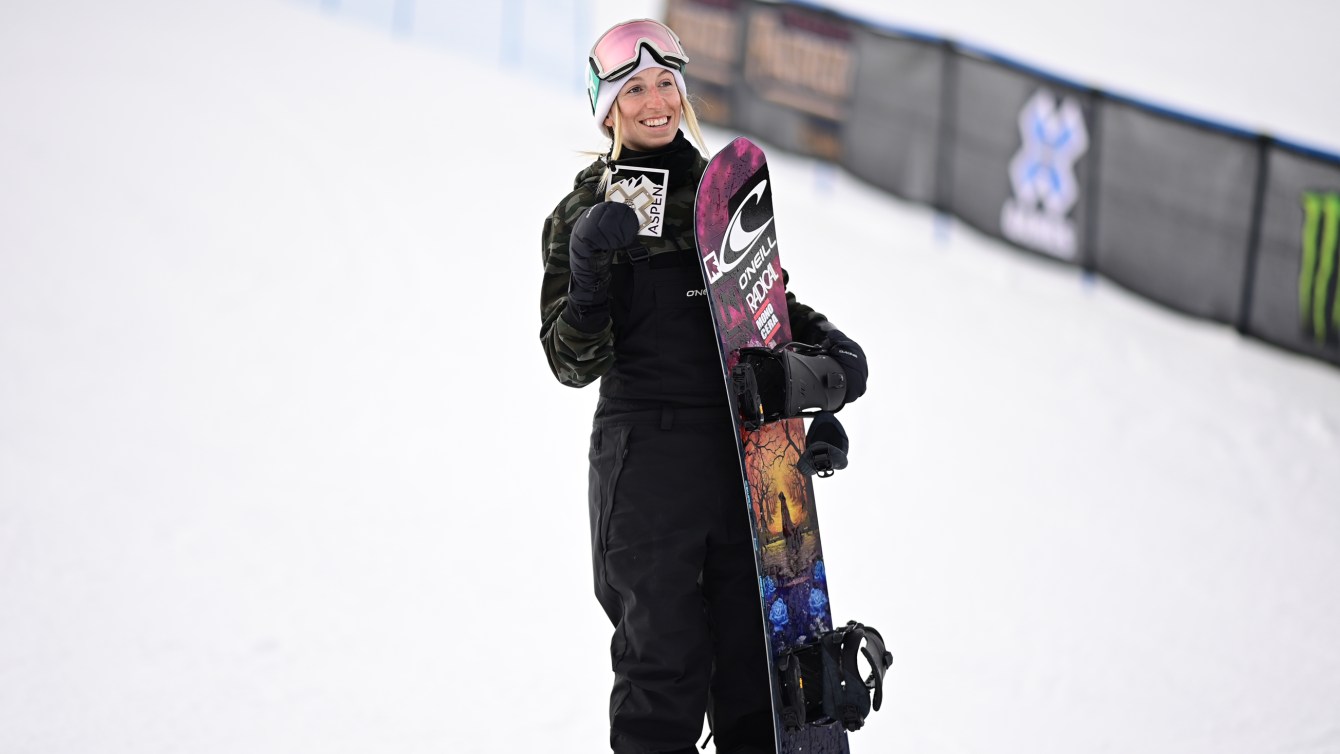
<point>617,50</point>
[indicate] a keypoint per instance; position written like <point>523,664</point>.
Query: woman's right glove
<point>851,356</point>
<point>601,230</point>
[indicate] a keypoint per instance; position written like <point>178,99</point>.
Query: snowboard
<point>737,239</point>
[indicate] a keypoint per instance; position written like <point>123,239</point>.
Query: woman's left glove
<point>596,235</point>
<point>851,357</point>
<point>600,231</point>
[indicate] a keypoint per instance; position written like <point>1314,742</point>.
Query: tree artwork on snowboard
<point>787,527</point>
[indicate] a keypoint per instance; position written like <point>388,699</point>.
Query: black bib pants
<point>670,534</point>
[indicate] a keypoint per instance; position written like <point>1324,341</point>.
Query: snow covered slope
<point>256,411</point>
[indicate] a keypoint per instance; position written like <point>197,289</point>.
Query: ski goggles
<point>617,51</point>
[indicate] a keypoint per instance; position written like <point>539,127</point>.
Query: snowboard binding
<point>791,380</point>
<point>822,681</point>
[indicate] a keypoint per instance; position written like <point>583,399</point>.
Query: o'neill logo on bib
<point>644,190</point>
<point>1042,174</point>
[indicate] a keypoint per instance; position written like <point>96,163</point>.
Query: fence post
<point>1088,260</point>
<point>944,158</point>
<point>1263,146</point>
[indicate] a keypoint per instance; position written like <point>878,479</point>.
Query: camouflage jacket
<point>578,358</point>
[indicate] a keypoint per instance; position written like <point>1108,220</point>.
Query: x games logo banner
<point>1318,298</point>
<point>1042,176</point>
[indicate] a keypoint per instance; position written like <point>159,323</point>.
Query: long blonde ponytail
<point>691,122</point>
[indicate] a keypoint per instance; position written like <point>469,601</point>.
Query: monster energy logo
<point>1318,302</point>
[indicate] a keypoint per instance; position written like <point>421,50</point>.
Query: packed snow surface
<point>283,469</point>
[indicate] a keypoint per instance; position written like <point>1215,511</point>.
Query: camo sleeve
<point>807,325</point>
<point>575,357</point>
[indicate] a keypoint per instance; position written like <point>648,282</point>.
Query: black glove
<point>825,447</point>
<point>600,230</point>
<point>847,353</point>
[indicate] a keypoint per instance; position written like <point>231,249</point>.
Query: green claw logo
<point>1318,302</point>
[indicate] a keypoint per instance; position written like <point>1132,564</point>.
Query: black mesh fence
<point>893,140</point>
<point>1205,218</point>
<point>1174,204</point>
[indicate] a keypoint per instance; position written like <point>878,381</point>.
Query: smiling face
<point>649,110</point>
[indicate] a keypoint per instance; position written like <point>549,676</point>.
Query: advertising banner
<point>1020,147</point>
<point>799,67</point>
<point>712,32</point>
<point>1296,291</point>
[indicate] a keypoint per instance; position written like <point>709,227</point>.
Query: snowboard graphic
<point>738,242</point>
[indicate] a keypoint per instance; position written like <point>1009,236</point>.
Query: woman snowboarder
<point>622,301</point>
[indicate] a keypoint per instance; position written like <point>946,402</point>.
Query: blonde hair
<point>690,119</point>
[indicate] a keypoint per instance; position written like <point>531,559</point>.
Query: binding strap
<point>850,699</point>
<point>822,682</point>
